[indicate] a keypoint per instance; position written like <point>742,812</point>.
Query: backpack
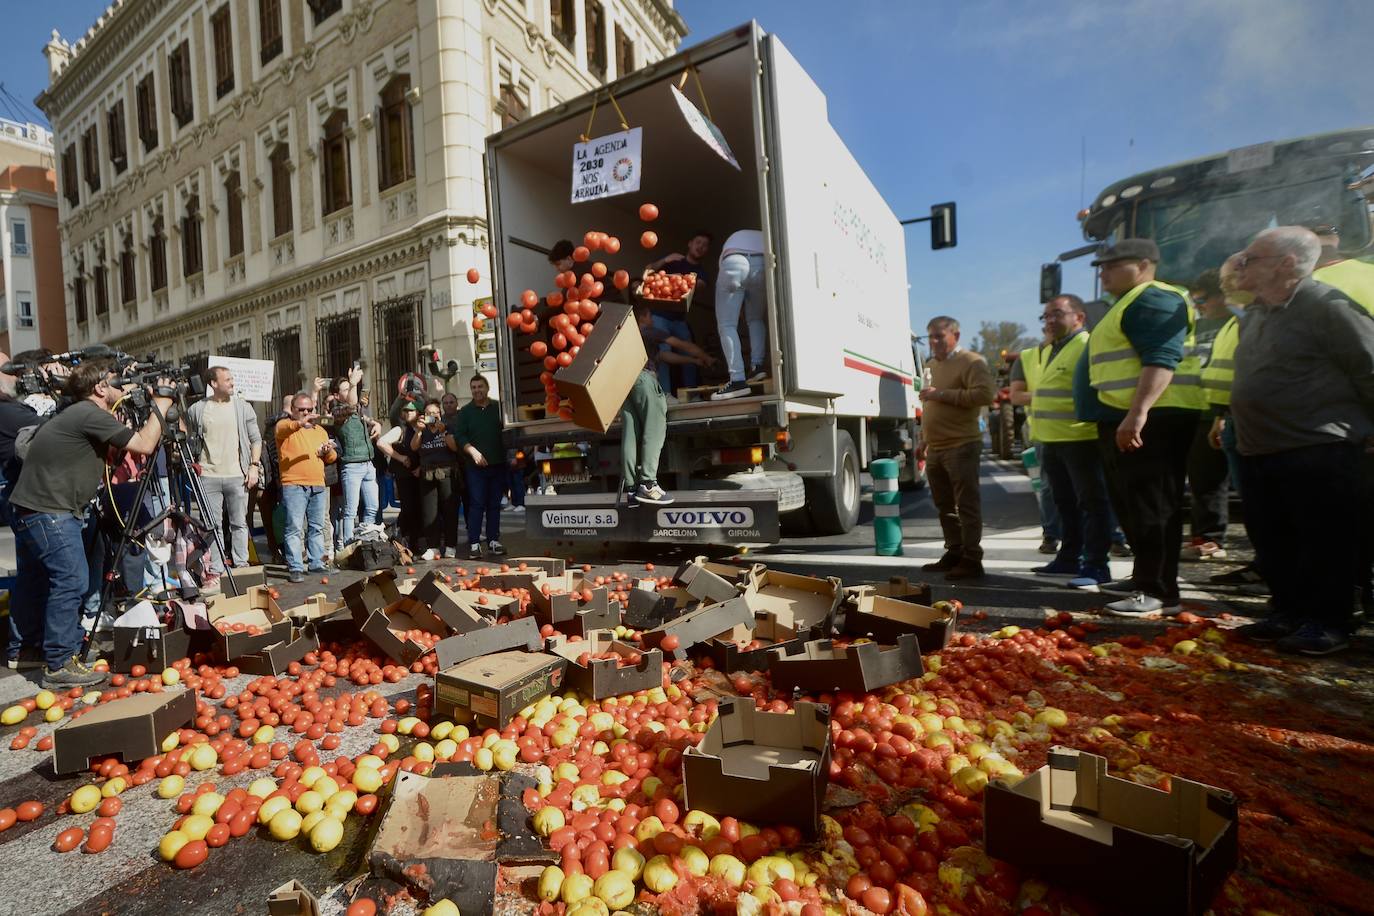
<point>370,556</point>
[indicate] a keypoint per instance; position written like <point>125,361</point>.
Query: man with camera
<point>230,462</point>
<point>303,450</point>
<point>62,472</point>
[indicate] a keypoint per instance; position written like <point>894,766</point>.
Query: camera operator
<point>61,474</point>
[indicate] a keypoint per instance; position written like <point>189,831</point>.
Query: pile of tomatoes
<point>667,287</point>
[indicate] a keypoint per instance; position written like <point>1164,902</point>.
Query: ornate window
<point>279,163</point>
<point>395,136</point>
<point>334,147</point>
<point>223,33</point>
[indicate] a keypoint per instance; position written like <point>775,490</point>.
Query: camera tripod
<point>175,447</point>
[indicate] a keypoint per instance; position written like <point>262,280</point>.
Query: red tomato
<point>611,245</point>
<point>529,299</point>
<point>68,839</point>
<point>192,854</point>
<point>364,907</point>
<point>878,899</point>
<point>648,212</point>
<point>99,839</point>
<point>580,253</point>
<point>648,239</point>
<point>217,836</point>
<point>858,883</point>
<point>621,279</point>
<point>473,275</point>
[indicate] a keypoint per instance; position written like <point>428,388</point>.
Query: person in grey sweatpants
<point>229,449</point>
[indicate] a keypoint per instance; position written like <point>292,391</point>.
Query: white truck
<point>843,368</point>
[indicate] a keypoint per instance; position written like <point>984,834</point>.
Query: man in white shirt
<point>740,286</point>
<point>230,462</point>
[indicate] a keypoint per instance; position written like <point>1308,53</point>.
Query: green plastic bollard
<point>887,508</point>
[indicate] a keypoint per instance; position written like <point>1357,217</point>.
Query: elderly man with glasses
<point>303,450</point>
<point>1303,405</point>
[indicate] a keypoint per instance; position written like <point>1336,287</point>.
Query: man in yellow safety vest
<point>1071,462</point>
<point>1025,377</point>
<point>1351,276</point>
<point>1138,380</point>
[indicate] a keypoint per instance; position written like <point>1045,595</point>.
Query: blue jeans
<point>1049,512</point>
<point>677,327</point>
<point>484,487</point>
<point>52,583</point>
<point>304,507</point>
<point>515,484</point>
<point>741,286</point>
<point>359,479</point>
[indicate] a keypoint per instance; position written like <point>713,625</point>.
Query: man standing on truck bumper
<point>951,443</point>
<point>477,433</point>
<point>1145,395</point>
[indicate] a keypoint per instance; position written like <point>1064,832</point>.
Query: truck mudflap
<point>695,517</point>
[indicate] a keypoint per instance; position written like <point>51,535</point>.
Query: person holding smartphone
<point>431,442</point>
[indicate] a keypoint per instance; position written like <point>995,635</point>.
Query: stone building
<point>302,180</point>
<point>32,311</point>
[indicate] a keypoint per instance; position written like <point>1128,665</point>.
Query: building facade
<point>301,180</point>
<point>32,309</point>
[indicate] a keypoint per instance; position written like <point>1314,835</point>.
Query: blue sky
<point>988,103</point>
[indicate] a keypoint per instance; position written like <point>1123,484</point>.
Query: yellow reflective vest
<point>1220,370</point>
<point>1114,366</point>
<point>1052,399</point>
<point>1353,277</point>
<point>1032,367</point>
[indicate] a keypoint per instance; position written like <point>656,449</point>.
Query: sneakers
<point>295,575</point>
<point>73,674</point>
<point>1117,587</point>
<point>1246,575</point>
<point>1140,604</point>
<point>630,500</point>
<point>1121,549</point>
<point>431,555</point>
<point>1270,629</point>
<point>1202,550</point>
<point>758,375</point>
<point>731,391</point>
<point>965,569</point>
<point>1311,639</point>
<point>1049,546</point>
<point>1090,578</point>
<point>29,658</point>
<point>1056,568</point>
<point>947,562</point>
<point>550,491</point>
<point>474,551</point>
<point>653,494</point>
<point>495,549</point>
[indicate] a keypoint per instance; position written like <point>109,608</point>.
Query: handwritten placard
<point>607,166</point>
<point>252,377</point>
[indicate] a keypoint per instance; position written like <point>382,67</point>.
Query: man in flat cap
<point>1139,381</point>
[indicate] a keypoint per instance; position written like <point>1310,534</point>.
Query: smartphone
<point>357,364</point>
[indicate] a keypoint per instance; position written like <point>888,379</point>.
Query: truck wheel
<point>834,502</point>
<point>1006,419</point>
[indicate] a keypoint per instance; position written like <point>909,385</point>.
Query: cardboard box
<point>518,634</point>
<point>550,566</point>
<point>442,823</point>
<point>819,666</point>
<point>153,647</point>
<point>603,677</point>
<point>133,727</point>
<point>805,603</point>
<point>886,619</point>
<point>708,581</point>
<point>384,615</point>
<point>899,587</point>
<point>569,615</point>
<point>274,659</point>
<point>729,655</point>
<point>448,604</point>
<point>493,688</point>
<point>598,379</point>
<point>680,306</point>
<point>1134,848</point>
<point>245,577</point>
<point>256,608</point>
<point>699,625</point>
<point>316,607</point>
<point>650,608</point>
<point>767,768</point>
<point>292,899</point>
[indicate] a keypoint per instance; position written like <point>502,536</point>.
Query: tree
<point>996,336</point>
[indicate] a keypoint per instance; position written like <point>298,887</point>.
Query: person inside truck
<point>693,262</point>
<point>644,416</point>
<point>741,287</point>
<point>560,256</point>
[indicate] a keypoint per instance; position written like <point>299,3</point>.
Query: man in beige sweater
<point>960,387</point>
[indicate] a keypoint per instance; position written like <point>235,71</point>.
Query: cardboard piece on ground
<point>598,379</point>
<point>707,581</point>
<point>819,666</point>
<point>603,677</point>
<point>448,825</point>
<point>245,577</point>
<point>649,608</point>
<point>274,660</point>
<point>292,899</point>
<point>448,604</point>
<point>133,727</point>
<point>316,607</point>
<point>762,767</point>
<point>492,688</point>
<point>699,625</point>
<point>729,652</point>
<point>153,647</point>
<point>551,566</point>
<point>899,587</point>
<point>885,619</point>
<point>255,608</point>
<point>531,580</point>
<point>805,603</point>
<point>384,616</point>
<point>1074,824</point>
<point>518,634</point>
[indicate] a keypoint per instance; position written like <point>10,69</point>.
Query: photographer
<point>355,434</point>
<point>437,452</point>
<point>230,462</point>
<point>63,470</point>
<point>303,449</point>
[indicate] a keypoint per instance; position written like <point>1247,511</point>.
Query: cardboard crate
<point>451,606</point>
<point>698,626</point>
<point>678,306</point>
<point>491,689</point>
<point>256,608</point>
<point>274,660</point>
<point>819,666</point>
<point>767,768</point>
<point>729,652</point>
<point>316,607</point>
<point>650,608</point>
<point>569,615</point>
<point>384,615</point>
<point>292,899</point>
<point>133,728</point>
<point>598,379</point>
<point>245,577</point>
<point>708,581</point>
<point>887,619</point>
<point>901,588</point>
<point>518,634</point>
<point>603,677</point>
<point>1134,848</point>
<point>549,566</point>
<point>153,647</point>
<point>803,602</point>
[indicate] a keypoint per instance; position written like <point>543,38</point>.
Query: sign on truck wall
<point>252,377</point>
<point>607,166</point>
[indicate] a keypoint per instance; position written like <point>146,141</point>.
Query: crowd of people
<point>1256,377</point>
